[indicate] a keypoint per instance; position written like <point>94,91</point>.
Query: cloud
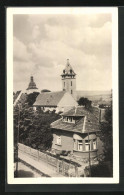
<point>84,39</point>
<point>20,51</point>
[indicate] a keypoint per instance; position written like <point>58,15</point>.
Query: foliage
<point>102,106</point>
<point>85,102</point>
<point>100,170</point>
<point>31,98</point>
<point>106,134</point>
<point>34,127</point>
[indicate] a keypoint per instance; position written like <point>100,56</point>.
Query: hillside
<point>99,97</point>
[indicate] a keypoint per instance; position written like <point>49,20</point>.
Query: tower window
<point>71,92</point>
<point>71,83</point>
<point>64,84</point>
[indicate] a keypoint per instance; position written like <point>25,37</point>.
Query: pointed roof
<point>68,70</point>
<point>32,84</point>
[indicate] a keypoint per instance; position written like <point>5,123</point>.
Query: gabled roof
<point>49,98</point>
<point>82,125</point>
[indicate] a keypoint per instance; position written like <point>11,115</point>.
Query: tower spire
<point>68,62</point>
<point>32,86</point>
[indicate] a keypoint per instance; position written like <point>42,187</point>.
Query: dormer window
<point>68,119</point>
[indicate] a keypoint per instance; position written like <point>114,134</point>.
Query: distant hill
<point>92,93</point>
<point>98,97</point>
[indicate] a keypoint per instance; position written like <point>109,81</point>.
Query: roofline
<point>31,88</point>
<point>85,132</point>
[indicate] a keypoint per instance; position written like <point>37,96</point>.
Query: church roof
<point>49,98</point>
<point>91,123</point>
<point>32,84</point>
<point>68,69</point>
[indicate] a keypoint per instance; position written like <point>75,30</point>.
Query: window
<point>71,92</point>
<point>64,84</point>
<point>58,140</point>
<point>80,145</point>
<point>94,144</point>
<point>71,83</point>
<point>87,145</point>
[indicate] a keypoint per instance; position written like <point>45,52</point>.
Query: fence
<point>60,166</point>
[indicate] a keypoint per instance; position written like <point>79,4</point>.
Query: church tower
<point>69,80</point>
<point>32,86</point>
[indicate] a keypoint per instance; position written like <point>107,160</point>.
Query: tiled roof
<point>49,98</point>
<point>81,111</point>
<point>91,123</point>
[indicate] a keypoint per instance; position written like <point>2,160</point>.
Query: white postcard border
<point>10,156</point>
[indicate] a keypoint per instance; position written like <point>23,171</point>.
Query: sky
<point>43,43</point>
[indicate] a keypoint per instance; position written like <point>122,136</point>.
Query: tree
<point>34,127</point>
<point>85,102</point>
<point>105,166</point>
<point>106,134</point>
<point>31,98</point>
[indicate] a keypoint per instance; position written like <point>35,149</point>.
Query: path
<point>39,165</point>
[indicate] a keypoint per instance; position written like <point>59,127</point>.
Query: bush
<point>100,170</point>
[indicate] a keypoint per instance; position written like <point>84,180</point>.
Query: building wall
<point>67,101</point>
<point>100,146</point>
<point>85,154</point>
<point>67,143</point>
<point>66,85</point>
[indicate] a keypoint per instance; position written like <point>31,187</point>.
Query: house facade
<point>58,101</point>
<point>76,133</point>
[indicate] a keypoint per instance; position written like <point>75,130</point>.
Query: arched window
<point>71,91</point>
<point>71,83</point>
